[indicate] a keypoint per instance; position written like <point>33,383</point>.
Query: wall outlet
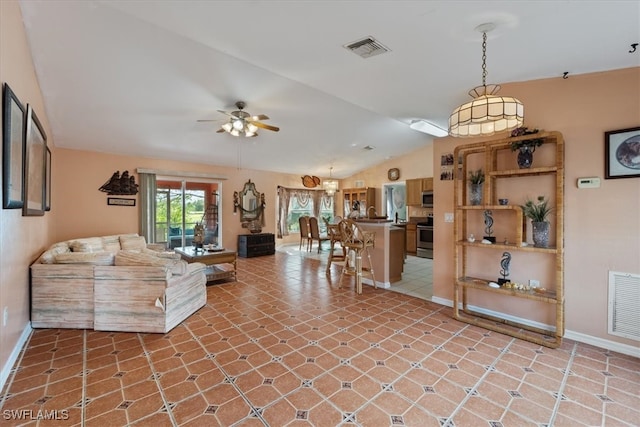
<point>448,217</point>
<point>534,283</point>
<point>5,316</point>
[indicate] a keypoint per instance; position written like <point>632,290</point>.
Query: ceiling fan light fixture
<point>238,124</point>
<point>487,113</point>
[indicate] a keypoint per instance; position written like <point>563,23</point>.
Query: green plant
<point>535,142</point>
<point>528,142</point>
<point>476,177</point>
<point>537,212</point>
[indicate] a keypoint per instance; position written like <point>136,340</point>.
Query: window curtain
<point>148,206</point>
<point>304,197</point>
<point>283,211</point>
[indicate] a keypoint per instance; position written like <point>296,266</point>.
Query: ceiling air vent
<point>367,47</point>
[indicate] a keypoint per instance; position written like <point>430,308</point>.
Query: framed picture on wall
<point>622,153</point>
<point>13,150</point>
<point>47,182</point>
<point>34,171</point>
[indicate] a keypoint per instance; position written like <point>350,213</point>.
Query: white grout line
<point>567,372</point>
<point>156,378</point>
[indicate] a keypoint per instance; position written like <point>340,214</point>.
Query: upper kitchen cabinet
<point>415,187</point>
<point>364,197</point>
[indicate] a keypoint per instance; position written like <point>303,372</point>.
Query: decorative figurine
<point>198,235</point>
<point>488,226</point>
<point>504,263</point>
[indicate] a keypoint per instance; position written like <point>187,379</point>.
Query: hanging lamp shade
<point>487,113</point>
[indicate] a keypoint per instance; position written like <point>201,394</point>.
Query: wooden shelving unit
<point>496,159</point>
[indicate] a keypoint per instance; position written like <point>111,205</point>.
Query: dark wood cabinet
<point>258,244</point>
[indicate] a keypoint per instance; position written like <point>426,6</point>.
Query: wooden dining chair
<point>303,221</point>
<point>314,233</point>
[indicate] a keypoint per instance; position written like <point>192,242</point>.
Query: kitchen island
<point>387,256</point>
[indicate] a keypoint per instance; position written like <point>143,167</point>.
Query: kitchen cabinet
<point>477,262</point>
<point>415,187</point>
<point>365,196</point>
<point>411,239</point>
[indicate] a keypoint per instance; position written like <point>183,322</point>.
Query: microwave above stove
<point>427,199</point>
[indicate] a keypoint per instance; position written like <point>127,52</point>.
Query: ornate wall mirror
<point>250,202</point>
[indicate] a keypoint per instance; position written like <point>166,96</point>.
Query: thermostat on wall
<point>589,182</point>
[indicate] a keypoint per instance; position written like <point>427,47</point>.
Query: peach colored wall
<point>602,226</point>
<point>82,210</point>
<point>417,164</point>
<point>21,238</point>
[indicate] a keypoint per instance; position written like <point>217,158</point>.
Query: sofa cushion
<point>132,243</point>
<point>162,254</point>
<point>129,258</point>
<point>49,256</point>
<point>90,244</point>
<point>91,258</point>
<point>111,243</point>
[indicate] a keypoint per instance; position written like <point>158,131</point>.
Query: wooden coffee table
<point>221,264</point>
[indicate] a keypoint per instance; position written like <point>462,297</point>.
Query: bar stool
<point>354,239</point>
<point>333,231</point>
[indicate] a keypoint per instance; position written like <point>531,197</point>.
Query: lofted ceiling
<point>135,77</point>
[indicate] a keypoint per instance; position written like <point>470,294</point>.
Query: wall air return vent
<point>624,305</point>
<point>367,47</point>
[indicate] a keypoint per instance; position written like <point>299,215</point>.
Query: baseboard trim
<point>629,350</point>
<point>13,357</point>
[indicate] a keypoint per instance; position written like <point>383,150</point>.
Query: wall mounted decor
<point>13,151</point>
<point>120,185</point>
<point>622,153</point>
<point>251,204</point>
<point>393,174</point>
<point>120,201</point>
<point>47,181</point>
<point>310,181</point>
<point>34,171</point>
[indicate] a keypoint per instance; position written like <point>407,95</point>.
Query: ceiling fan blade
<point>263,126</point>
<point>259,117</point>
<point>220,130</point>
<point>226,113</point>
<point>207,120</point>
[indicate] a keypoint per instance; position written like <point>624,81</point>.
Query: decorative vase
<point>540,234</point>
<point>255,226</point>
<point>525,156</point>
<point>475,194</point>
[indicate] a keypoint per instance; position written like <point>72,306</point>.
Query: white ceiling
<point>133,77</point>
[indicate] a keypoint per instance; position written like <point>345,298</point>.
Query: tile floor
<point>284,346</point>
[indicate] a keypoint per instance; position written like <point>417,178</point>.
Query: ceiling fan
<point>242,123</point>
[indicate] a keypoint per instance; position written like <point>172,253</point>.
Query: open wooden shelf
<point>493,154</point>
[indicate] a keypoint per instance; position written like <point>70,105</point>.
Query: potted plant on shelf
<point>526,147</point>
<point>538,213</point>
<point>476,179</point>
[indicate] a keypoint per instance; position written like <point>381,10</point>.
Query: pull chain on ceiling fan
<point>244,124</point>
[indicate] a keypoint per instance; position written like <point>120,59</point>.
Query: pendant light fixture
<point>487,113</point>
<point>330,185</point>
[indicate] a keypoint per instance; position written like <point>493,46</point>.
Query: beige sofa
<point>114,283</point>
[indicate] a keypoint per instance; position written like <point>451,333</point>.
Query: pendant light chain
<point>484,59</point>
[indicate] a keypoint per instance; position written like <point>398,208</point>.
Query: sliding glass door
<point>182,204</point>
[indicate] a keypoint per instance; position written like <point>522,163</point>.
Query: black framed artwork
<point>34,171</point>
<point>622,153</point>
<point>13,150</point>
<point>47,182</point>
